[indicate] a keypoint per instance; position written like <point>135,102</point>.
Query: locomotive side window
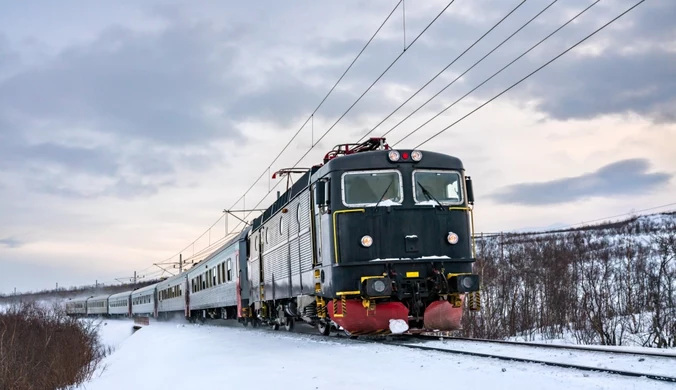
<point>366,188</point>
<point>442,186</point>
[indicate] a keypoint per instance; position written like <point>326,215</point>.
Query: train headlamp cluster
<point>366,241</point>
<point>380,286</point>
<point>395,156</point>
<point>463,283</point>
<point>452,238</point>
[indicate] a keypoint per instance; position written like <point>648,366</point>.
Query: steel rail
<point>550,346</point>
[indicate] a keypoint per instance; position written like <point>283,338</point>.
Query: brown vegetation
<point>44,349</point>
<point>612,285</point>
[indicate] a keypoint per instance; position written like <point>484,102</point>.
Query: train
<point>371,241</point>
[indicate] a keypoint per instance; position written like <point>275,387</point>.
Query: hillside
<point>611,283</point>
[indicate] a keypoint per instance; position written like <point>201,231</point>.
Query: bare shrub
<point>45,349</point>
<point>612,284</point>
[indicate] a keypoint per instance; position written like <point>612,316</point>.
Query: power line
<point>320,103</point>
<point>488,79</point>
<point>358,99</point>
<point>448,66</point>
<point>381,75</point>
<point>532,73</point>
<point>295,135</point>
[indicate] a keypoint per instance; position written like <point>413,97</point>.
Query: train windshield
<point>366,188</point>
<point>437,186</point>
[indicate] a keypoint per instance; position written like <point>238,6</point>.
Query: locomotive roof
<point>284,198</point>
<point>377,159</point>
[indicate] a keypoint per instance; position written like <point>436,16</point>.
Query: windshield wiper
<point>385,192</point>
<point>428,194</point>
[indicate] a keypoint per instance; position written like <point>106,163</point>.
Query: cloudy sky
<point>126,128</point>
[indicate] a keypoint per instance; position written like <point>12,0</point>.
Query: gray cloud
<point>8,56</point>
<point>145,86</point>
<point>626,177</point>
<point>10,242</point>
<point>641,81</point>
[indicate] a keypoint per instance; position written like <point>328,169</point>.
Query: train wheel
<point>324,329</point>
<point>290,324</point>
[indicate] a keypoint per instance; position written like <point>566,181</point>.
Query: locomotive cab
<point>396,232</point>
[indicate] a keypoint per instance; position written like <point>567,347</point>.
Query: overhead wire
<point>320,103</point>
<point>357,100</point>
<point>295,135</point>
<point>446,128</point>
<point>491,77</point>
<point>530,74</point>
<point>379,77</point>
<point>450,64</point>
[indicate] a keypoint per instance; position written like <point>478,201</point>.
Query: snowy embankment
<point>180,356</point>
<point>621,362</point>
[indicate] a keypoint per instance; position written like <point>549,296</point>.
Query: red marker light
<point>404,156</point>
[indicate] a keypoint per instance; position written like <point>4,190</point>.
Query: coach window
<point>298,214</point>
<point>281,226</point>
<point>229,270</point>
<point>442,186</point>
<point>367,188</point>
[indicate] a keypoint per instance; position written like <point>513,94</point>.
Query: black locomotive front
<point>401,240</point>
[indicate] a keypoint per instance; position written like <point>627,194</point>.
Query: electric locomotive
<point>370,238</point>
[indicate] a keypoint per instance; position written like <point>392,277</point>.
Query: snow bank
<point>167,356</point>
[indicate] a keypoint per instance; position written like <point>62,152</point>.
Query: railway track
<point>635,374</point>
<point>584,348</point>
<point>405,341</point>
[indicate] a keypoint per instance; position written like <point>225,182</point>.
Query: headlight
<point>463,283</point>
<point>416,155</point>
<point>366,241</point>
<point>452,238</point>
<point>377,286</point>
<point>393,155</point>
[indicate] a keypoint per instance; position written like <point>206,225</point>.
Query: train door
<point>261,271</point>
<point>285,230</point>
<point>316,204</point>
<point>156,302</point>
<point>186,290</point>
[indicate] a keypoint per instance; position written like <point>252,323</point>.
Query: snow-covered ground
<point>180,356</point>
<point>633,363</point>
